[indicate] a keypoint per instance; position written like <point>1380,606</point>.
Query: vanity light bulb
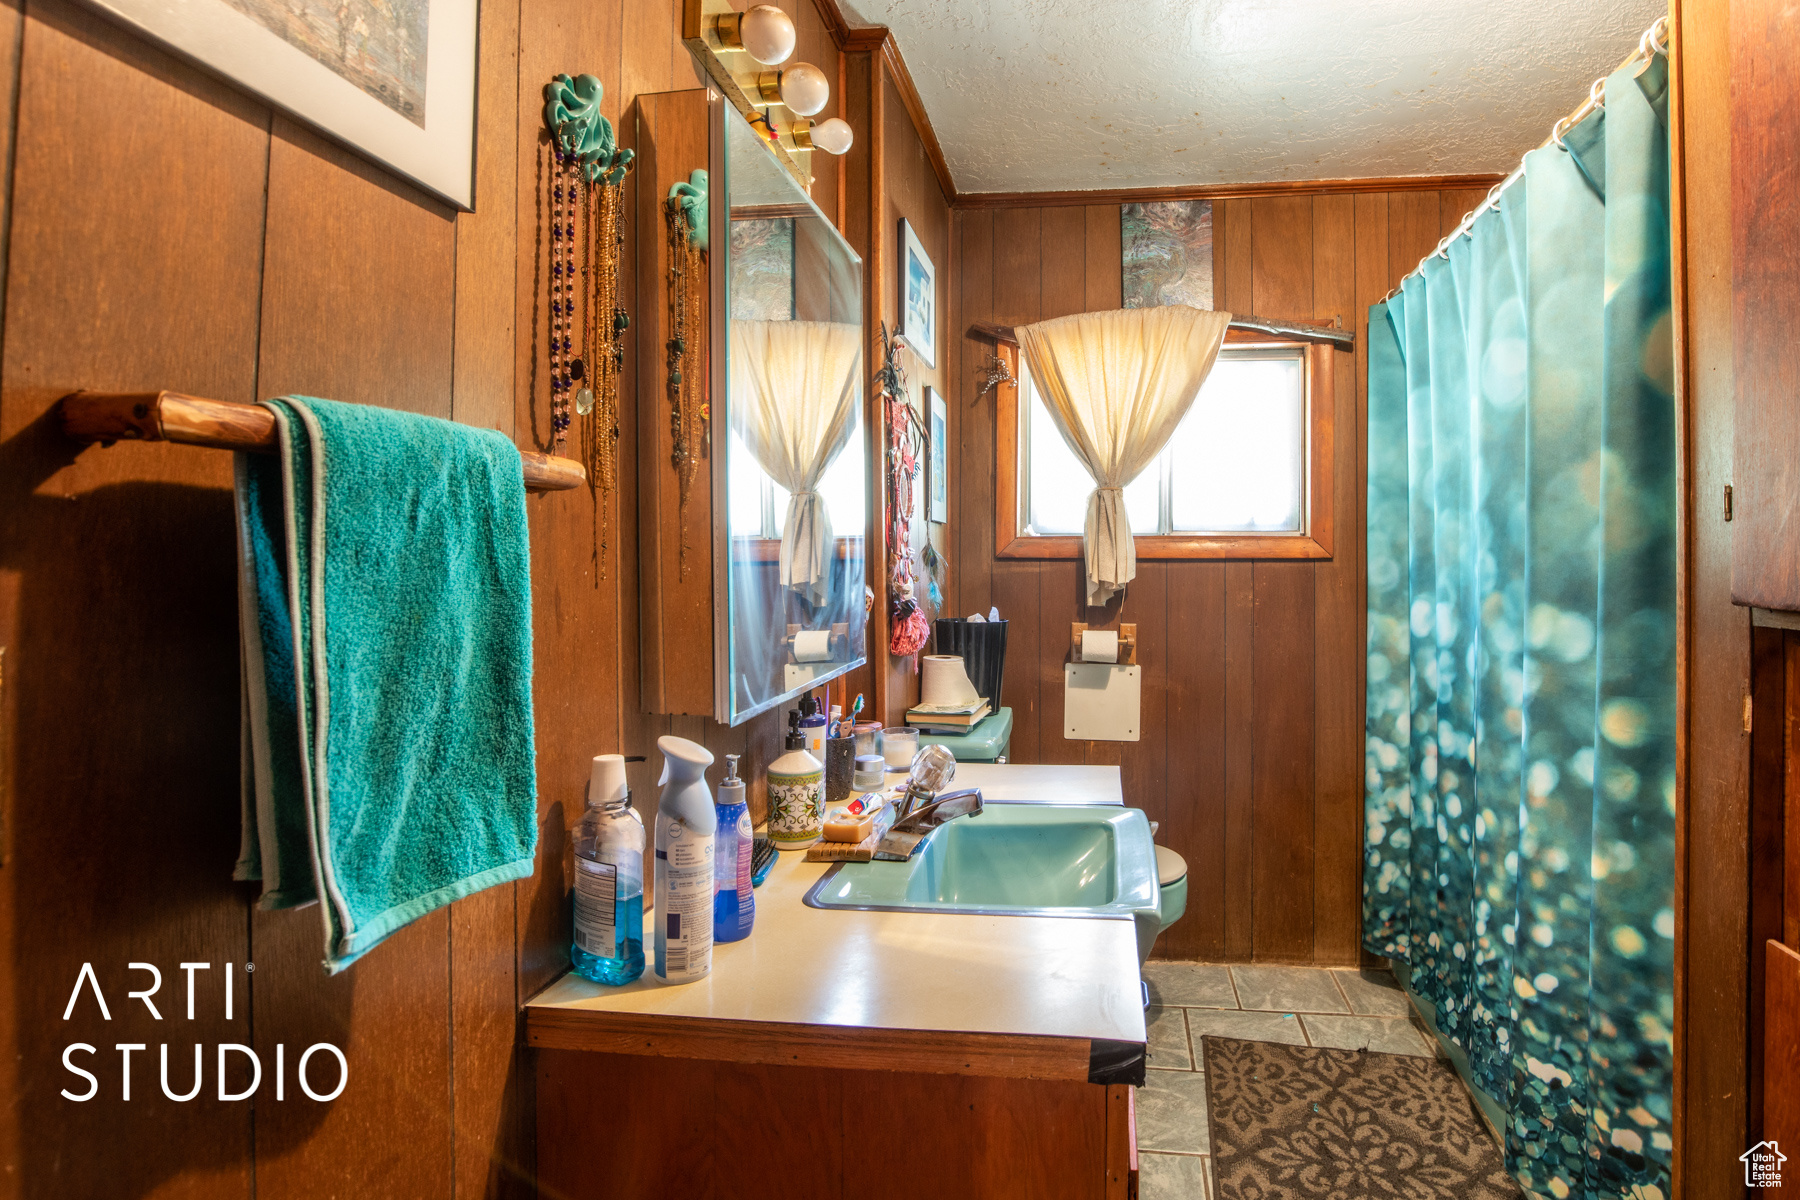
<point>804,89</point>
<point>832,135</point>
<point>766,34</point>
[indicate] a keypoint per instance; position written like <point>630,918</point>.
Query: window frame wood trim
<point>1313,543</point>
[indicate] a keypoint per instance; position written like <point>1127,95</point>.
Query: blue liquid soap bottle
<point>686,826</point>
<point>609,880</point>
<point>734,903</point>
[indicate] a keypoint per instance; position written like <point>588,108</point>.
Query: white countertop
<point>1051,977</point>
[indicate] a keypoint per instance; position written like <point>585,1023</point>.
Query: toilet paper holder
<point>1127,641</point>
<point>839,641</point>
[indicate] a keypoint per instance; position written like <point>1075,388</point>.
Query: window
<point>1245,475</point>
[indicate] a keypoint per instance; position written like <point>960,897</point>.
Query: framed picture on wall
<point>394,80</point>
<point>937,421</point>
<point>918,296</point>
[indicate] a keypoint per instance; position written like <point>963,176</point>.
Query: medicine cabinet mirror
<point>753,589</point>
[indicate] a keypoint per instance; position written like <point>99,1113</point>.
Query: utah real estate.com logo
<point>1762,1165</point>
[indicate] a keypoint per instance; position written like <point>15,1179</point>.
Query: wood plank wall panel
<point>1234,236</point>
<point>577,611</point>
<point>1282,642</point>
<point>910,190</point>
<point>487,1152</point>
<point>118,613</point>
<point>1712,935</point>
<point>1251,751</point>
<point>1765,259</point>
<point>1015,586</point>
<point>346,248</point>
<point>1372,282</point>
<point>1338,636</point>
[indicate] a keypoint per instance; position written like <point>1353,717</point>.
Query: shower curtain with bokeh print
<point>1519,839</point>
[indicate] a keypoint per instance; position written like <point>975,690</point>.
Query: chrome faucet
<point>904,839</point>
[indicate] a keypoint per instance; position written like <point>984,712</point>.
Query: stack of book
<point>948,718</point>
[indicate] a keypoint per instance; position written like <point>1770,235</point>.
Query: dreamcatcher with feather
<point>905,438</point>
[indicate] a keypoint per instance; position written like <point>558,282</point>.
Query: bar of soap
<point>841,825</point>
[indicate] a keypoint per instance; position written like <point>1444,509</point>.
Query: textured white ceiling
<point>1052,95</point>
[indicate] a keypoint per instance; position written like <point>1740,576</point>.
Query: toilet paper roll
<point>943,681</point>
<point>1100,645</point>
<point>812,645</point>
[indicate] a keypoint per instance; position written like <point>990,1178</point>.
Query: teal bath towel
<point>385,605</point>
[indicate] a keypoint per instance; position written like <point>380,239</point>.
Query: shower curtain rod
<point>1654,41</point>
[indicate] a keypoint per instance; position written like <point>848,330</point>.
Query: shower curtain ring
<point>1556,132</point>
<point>1597,94</point>
<point>1658,35</point>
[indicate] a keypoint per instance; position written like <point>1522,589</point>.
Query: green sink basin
<point>1054,860</point>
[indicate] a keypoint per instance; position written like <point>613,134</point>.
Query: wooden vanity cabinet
<point>631,1127</point>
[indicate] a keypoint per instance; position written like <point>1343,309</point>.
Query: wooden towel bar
<point>108,417</point>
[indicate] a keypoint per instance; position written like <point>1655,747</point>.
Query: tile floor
<point>1304,1006</point>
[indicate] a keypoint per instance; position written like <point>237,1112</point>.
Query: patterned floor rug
<point>1292,1121</point>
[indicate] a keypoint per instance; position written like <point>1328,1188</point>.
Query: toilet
<point>1171,899</point>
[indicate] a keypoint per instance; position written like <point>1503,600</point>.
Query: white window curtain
<point>1116,385</point>
<point>793,402</point>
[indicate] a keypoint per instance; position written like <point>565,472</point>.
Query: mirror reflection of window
<point>759,504</point>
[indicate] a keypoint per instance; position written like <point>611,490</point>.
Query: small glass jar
<point>898,745</point>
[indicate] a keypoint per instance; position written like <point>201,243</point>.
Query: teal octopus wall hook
<point>572,115</point>
<point>688,201</point>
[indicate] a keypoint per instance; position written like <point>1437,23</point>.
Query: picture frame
<point>408,111</point>
<point>937,425</point>
<point>918,296</point>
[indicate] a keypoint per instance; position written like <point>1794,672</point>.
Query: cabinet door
<point>1781,1050</point>
<point>1765,244</point>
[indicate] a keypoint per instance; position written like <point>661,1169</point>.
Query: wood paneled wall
<point>1252,747</point>
<point>1713,881</point>
<point>191,239</point>
<point>910,191</point>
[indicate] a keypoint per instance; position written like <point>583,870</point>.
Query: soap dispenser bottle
<point>796,793</point>
<point>609,880</point>
<point>734,901</point>
<point>685,829</point>
<point>814,725</point>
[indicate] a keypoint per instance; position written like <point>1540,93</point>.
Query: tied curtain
<point>1116,385</point>
<point>793,384</point>
<point>1520,799</point>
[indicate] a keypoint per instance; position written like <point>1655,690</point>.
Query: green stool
<point>985,741</point>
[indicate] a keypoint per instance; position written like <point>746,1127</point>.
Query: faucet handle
<point>946,807</point>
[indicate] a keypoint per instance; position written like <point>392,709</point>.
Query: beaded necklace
<point>686,214</point>
<point>587,174</point>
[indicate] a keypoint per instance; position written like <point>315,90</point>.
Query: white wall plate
<point>1101,702</point>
